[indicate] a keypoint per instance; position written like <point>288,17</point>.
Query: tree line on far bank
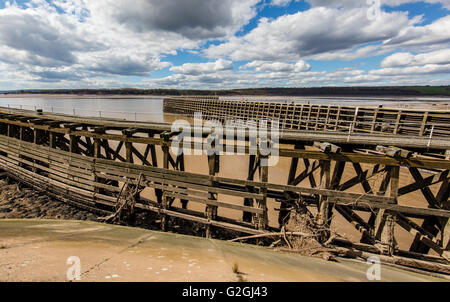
<point>313,91</point>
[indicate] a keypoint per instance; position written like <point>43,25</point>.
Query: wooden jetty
<point>104,164</point>
<point>296,116</point>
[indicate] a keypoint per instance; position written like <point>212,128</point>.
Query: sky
<point>223,44</point>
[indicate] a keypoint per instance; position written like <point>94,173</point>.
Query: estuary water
<point>150,109</point>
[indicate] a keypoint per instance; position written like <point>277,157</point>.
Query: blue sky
<point>223,44</point>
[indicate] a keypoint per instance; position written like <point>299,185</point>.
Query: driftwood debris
<point>126,198</point>
<point>270,235</point>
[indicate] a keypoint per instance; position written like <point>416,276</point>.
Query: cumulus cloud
<point>100,38</point>
<point>315,31</point>
<point>432,34</point>
<point>261,66</point>
<point>362,3</point>
<point>408,59</point>
<point>398,59</point>
<point>203,68</point>
<point>44,40</point>
<point>94,43</point>
<point>47,39</point>
<point>194,19</point>
<point>429,69</point>
<point>280,2</point>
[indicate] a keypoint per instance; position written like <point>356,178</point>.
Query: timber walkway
<point>363,119</point>
<point>105,164</point>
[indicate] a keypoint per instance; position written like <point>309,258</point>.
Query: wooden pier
<point>295,116</point>
<point>105,164</point>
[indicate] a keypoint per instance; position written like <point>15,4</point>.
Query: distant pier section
<point>296,116</point>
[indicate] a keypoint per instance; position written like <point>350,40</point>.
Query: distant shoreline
<point>357,91</point>
<point>124,96</point>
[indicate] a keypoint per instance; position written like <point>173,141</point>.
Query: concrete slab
<point>37,250</point>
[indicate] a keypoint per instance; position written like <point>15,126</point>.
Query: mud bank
<point>37,250</point>
<point>20,202</point>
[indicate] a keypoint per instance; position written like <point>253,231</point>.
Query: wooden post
<point>211,211</point>
<point>385,221</point>
<point>52,139</point>
<point>129,152</point>
<point>424,124</point>
<point>21,131</point>
<point>129,159</point>
<point>10,130</point>
<point>324,206</point>
<point>97,151</point>
<point>158,192</point>
<point>180,167</point>
<point>97,142</point>
<point>283,215</point>
<point>263,219</point>
<point>164,199</point>
<point>166,154</point>
<point>73,144</point>
<point>36,140</point>
<point>397,122</point>
<point>128,145</point>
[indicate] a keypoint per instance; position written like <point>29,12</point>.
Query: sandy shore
<point>37,250</point>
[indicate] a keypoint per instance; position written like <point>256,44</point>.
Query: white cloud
<point>194,19</point>
<point>408,59</point>
<point>364,3</point>
<point>94,43</point>
<point>84,39</point>
<point>261,66</point>
<point>432,34</point>
<point>305,34</point>
<point>414,71</point>
<point>76,42</point>
<point>398,59</point>
<point>280,2</point>
<point>203,68</point>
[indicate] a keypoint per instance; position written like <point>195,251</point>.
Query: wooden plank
<point>214,202</point>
